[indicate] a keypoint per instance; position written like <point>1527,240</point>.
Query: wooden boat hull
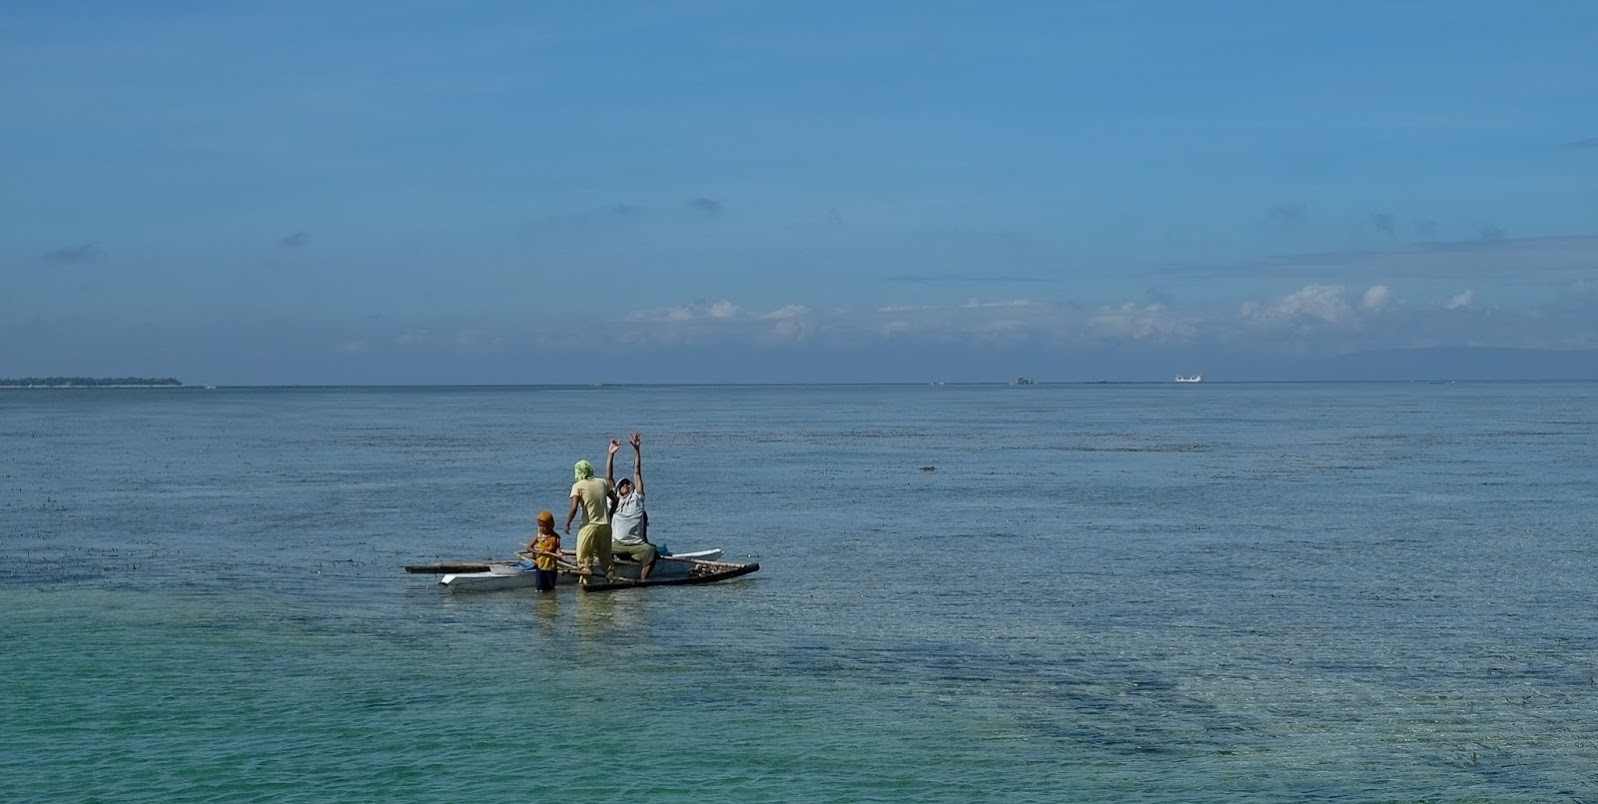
<point>511,575</point>
<point>702,572</point>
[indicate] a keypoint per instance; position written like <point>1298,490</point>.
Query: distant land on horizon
<point>1462,363</point>
<point>90,382</point>
<point>1392,365</point>
<point>1427,364</point>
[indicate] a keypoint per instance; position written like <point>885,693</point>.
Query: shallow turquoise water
<point>1229,593</point>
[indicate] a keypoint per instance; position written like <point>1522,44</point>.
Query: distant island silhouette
<point>90,382</point>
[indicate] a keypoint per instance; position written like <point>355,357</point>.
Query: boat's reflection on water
<point>602,619</point>
<point>566,617</point>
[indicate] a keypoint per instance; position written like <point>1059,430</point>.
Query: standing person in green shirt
<point>595,497</point>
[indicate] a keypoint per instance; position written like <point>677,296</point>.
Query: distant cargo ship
<point>1190,378</point>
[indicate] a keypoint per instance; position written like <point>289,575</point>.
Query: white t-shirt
<point>627,524</point>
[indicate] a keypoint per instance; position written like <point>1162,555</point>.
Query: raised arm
<point>610,462</point>
<point>638,461</point>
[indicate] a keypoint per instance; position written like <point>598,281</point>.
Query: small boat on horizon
<point>1190,378</point>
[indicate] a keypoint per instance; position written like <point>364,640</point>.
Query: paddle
<point>562,563</point>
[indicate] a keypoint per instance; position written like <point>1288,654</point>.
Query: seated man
<point>629,523</point>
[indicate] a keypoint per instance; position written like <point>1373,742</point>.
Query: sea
<point>1215,592</point>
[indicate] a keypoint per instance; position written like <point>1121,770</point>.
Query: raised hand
<point>637,440</point>
<point>616,445</point>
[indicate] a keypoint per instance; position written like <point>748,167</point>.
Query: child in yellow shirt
<point>545,548</point>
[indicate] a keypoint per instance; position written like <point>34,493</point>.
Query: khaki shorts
<point>643,553</point>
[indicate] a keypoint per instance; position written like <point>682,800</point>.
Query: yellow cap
<point>545,516</point>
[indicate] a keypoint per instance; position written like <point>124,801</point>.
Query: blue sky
<point>724,191</point>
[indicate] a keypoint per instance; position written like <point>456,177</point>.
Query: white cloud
<point>971,321</point>
<point>722,320</point>
<point>1314,304</point>
<point>1133,322</point>
<point>789,323</point>
<point>416,337</point>
<point>998,329</point>
<point>466,340</point>
<point>1377,298</point>
<point>722,310</point>
<point>973,303</point>
<point>893,329</point>
<point>785,312</point>
<point>1316,316</point>
<point>473,339</point>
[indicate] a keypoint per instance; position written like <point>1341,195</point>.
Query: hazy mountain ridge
<point>1459,363</point>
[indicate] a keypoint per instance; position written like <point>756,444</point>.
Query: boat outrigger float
<point>670,570</point>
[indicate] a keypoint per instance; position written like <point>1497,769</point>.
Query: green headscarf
<point>584,470</point>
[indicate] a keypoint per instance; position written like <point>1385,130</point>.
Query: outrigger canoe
<point>676,569</point>
<point>698,572</point>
